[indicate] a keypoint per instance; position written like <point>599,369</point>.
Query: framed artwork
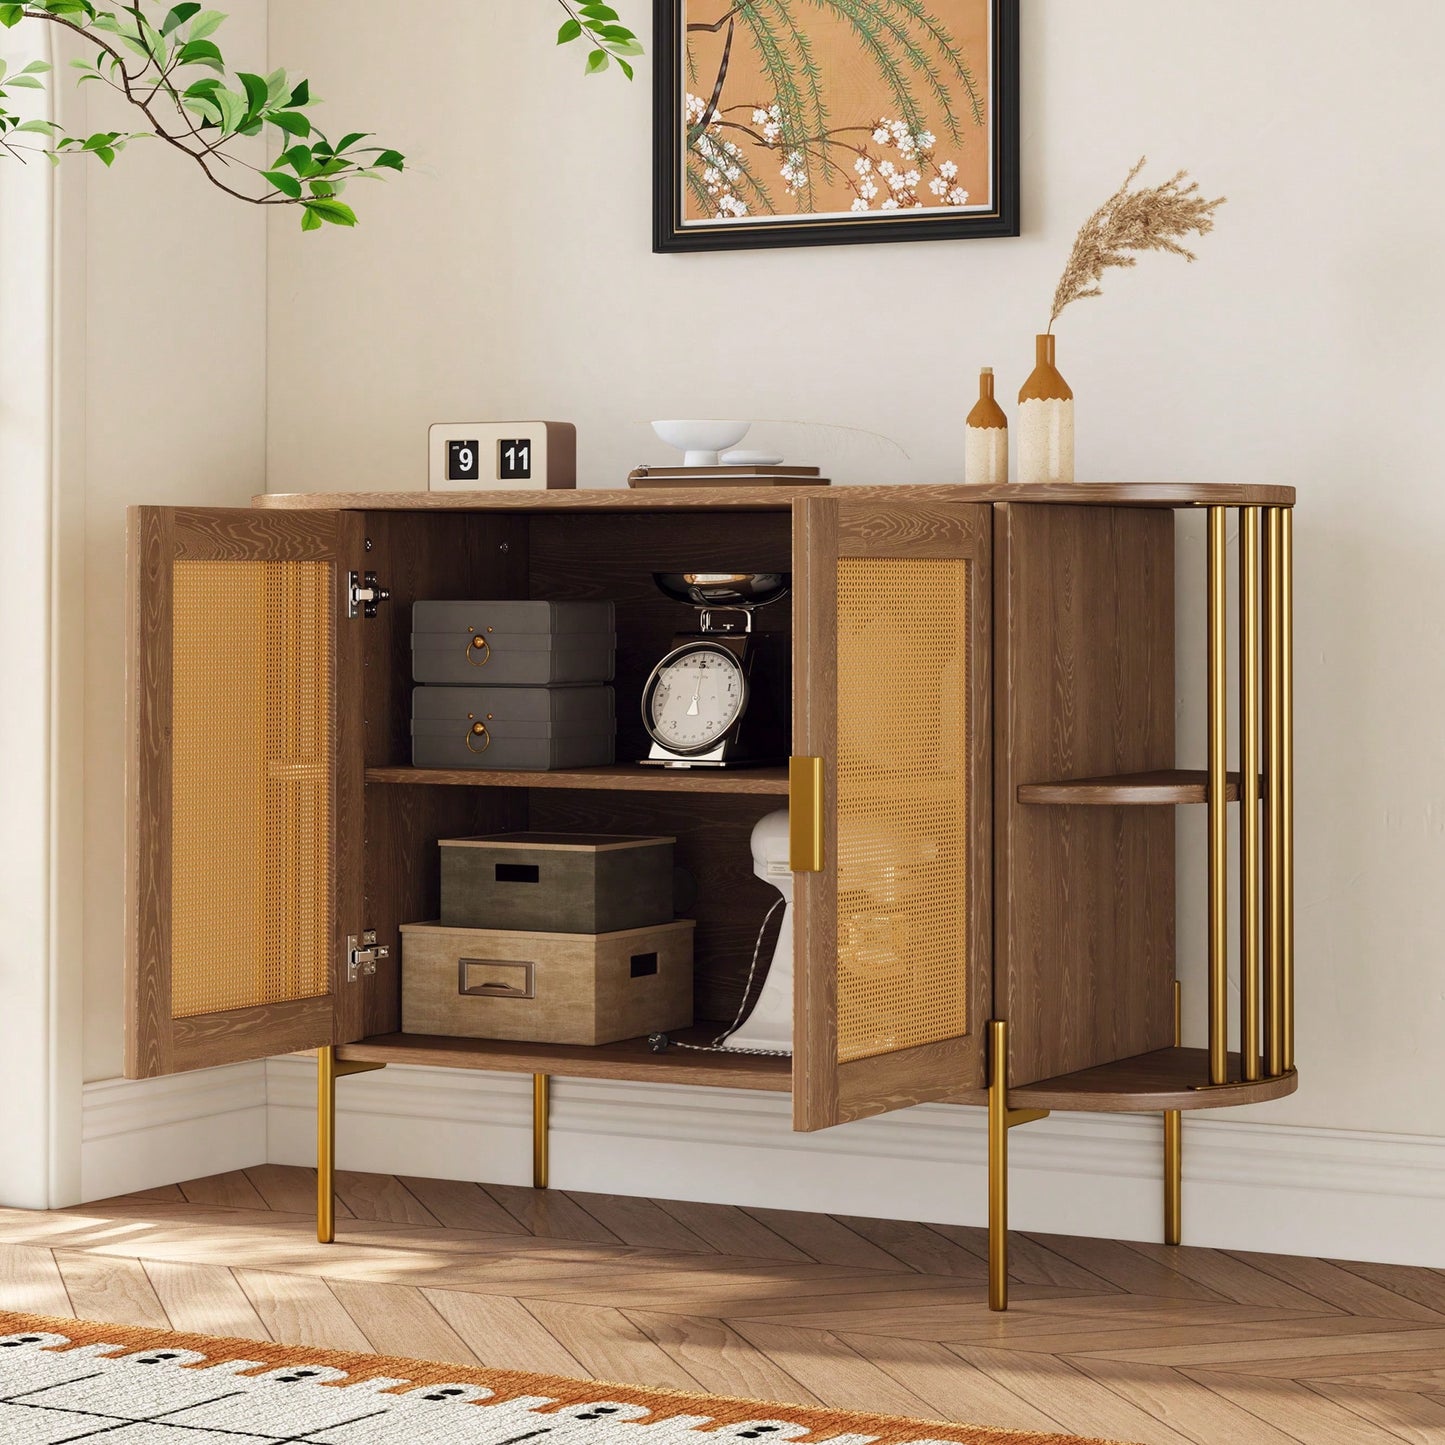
<point>825,122</point>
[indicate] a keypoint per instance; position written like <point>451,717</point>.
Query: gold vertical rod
<point>1218,808</point>
<point>1174,1147</point>
<point>1249,726</point>
<point>1275,793</point>
<point>325,1145</point>
<point>1286,780</point>
<point>998,1164</point>
<point>541,1098</point>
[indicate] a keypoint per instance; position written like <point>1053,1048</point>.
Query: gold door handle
<point>479,650</point>
<point>805,815</point>
<point>478,730</point>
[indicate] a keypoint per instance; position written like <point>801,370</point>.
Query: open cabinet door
<point>243,786</point>
<point>891,804</point>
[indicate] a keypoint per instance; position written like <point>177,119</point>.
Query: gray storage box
<point>556,882</point>
<point>522,728</point>
<point>513,644</point>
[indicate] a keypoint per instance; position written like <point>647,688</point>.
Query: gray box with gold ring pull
<point>512,643</point>
<point>519,728</point>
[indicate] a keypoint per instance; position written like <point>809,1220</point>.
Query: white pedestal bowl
<point>701,441</point>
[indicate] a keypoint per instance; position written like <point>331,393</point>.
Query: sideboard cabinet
<point>981,790</point>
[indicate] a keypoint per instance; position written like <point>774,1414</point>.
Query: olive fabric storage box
<point>535,728</point>
<point>513,644</point>
<point>546,988</point>
<point>556,882</point>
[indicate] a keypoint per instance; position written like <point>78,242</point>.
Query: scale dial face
<point>694,698</point>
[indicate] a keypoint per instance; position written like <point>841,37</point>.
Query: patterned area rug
<point>65,1381</point>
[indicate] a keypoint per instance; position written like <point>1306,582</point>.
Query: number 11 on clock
<point>514,459</point>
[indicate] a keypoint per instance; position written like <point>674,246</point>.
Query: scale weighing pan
<point>724,589</point>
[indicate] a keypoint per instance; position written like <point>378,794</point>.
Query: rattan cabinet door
<point>891,691</point>
<point>243,786</point>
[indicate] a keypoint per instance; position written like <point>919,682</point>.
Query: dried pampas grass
<point>1153,218</point>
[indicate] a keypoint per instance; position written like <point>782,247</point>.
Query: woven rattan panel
<point>903,732</point>
<point>251,784</point>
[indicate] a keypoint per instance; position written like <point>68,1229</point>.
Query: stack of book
<point>740,476</point>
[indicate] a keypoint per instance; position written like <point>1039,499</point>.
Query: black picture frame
<point>670,235</point>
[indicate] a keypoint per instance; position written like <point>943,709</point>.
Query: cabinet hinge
<point>363,595</point>
<point>363,956</point>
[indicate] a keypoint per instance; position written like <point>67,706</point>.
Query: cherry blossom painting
<point>808,122</point>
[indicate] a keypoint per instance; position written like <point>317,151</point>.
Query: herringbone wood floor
<point>1131,1341</point>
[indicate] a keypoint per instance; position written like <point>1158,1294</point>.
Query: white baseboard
<point>142,1133</point>
<point>1337,1193</point>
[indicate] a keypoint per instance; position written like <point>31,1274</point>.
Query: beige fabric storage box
<point>546,988</point>
<point>556,882</point>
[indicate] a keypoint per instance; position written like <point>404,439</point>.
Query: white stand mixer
<point>767,1027</point>
<point>769,1024</point>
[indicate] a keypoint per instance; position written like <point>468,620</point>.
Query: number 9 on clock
<point>462,461</point>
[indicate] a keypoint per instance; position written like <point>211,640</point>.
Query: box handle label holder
<point>524,974</point>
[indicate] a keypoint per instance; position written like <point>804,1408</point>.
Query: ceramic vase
<point>1046,421</point>
<point>985,433</point>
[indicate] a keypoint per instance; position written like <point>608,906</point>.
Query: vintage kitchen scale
<point>718,697</point>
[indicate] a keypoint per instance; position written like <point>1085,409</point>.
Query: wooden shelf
<point>1164,1079</point>
<point>620,777</point>
<point>1167,786</point>
<point>631,1059</point>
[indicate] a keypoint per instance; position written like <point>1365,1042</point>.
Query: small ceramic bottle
<point>1046,421</point>
<point>985,437</point>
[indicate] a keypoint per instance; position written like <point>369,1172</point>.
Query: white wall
<point>168,277</point>
<point>509,274</point>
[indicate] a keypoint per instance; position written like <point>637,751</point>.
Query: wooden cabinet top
<point>780,499</point>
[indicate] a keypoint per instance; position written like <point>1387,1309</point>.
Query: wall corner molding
<point>1280,1188</point>
<point>143,1133</point>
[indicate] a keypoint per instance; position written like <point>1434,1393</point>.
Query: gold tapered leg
<point>325,1145</point>
<point>1000,1120</point>
<point>328,1070</point>
<point>998,1165</point>
<point>1173,1176</point>
<point>1174,1147</point>
<point>541,1097</point>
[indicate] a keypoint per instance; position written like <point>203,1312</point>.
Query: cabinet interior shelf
<point>1164,1079</point>
<point>630,1059</point>
<point>618,777</point>
<point>1166,786</point>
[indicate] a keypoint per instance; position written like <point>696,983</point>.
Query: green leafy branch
<point>173,72</point>
<point>600,26</point>
<point>170,68</point>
